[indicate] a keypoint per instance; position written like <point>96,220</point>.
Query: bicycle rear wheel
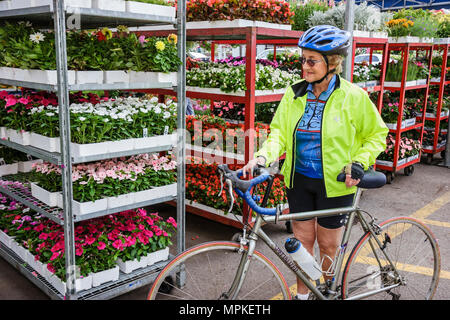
<point>208,271</point>
<point>413,251</point>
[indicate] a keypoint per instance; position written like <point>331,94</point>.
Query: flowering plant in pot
<point>213,10</point>
<point>109,178</point>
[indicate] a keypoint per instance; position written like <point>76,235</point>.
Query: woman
<point>324,124</point>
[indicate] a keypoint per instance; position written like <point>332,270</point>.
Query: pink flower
<point>79,251</point>
<point>89,240</point>
<point>118,244</point>
<point>55,255</point>
<point>101,245</point>
<point>23,101</point>
<point>142,39</point>
<point>43,236</point>
<point>10,101</point>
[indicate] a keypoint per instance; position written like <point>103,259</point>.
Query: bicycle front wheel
<point>414,253</point>
<point>207,271</point>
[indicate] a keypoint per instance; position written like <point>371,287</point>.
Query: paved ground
<point>424,195</point>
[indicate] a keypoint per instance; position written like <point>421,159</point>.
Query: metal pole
<point>64,128</point>
<point>349,21</point>
<point>181,123</point>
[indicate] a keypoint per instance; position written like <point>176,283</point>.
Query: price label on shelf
<point>145,133</point>
<point>166,130</point>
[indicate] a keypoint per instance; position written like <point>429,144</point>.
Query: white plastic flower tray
<point>101,277</point>
<point>148,8</point>
<point>52,199</point>
<point>8,169</point>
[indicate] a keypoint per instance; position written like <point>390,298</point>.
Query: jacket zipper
<point>294,150</point>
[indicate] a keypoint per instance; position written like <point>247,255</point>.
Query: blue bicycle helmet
<point>325,39</point>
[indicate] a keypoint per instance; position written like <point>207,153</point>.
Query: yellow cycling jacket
<point>352,131</point>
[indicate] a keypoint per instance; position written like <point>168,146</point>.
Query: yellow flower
<point>172,38</point>
<point>107,33</point>
<point>160,45</point>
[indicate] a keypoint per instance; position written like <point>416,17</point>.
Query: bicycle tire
<point>210,277</point>
<point>362,272</point>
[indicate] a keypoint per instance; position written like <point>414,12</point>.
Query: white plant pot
<point>398,84</point>
<point>412,158</point>
<point>157,256</point>
<point>101,277</point>
<point>410,122</point>
<point>45,143</point>
<point>155,141</point>
<point>6,73</point>
<point>153,77</point>
<point>20,74</point>
<point>131,265</point>
<point>371,83</point>
<point>49,198</point>
<point>18,4</point>
<point>116,76</point>
<point>89,149</point>
<point>148,8</point>
<point>426,40</point>
<point>84,77</point>
<point>114,5</point>
<point>359,33</point>
<point>361,84</point>
<point>384,163</point>
<point>147,195</point>
<point>81,208</point>
<point>2,132</point>
<point>121,200</point>
<point>378,34</point>
<point>271,25</point>
<point>26,166</point>
<point>8,169</point>
<point>50,76</point>
<point>435,79</point>
<point>5,5</point>
<point>81,284</point>
<point>19,137</point>
<point>121,145</point>
<point>421,82</point>
<point>6,239</point>
<point>19,250</point>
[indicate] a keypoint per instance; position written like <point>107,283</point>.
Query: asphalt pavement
<point>424,195</point>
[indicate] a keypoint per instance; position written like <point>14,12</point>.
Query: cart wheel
<point>288,227</point>
<point>429,158</point>
<point>409,171</point>
<point>236,237</point>
<point>389,177</point>
<point>167,286</point>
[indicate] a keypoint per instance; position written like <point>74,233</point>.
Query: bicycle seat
<point>372,179</point>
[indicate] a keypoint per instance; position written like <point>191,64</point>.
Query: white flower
<point>157,110</point>
<point>166,115</point>
<point>37,37</point>
<point>81,118</point>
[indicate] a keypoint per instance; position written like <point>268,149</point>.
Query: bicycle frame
<point>257,233</point>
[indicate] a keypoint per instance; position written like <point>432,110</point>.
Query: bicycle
<point>397,258</point>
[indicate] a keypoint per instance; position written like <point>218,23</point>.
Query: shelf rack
<point>250,36</point>
<point>442,83</point>
<point>54,17</point>
<point>405,49</point>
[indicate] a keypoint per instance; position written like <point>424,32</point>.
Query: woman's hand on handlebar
<point>248,168</point>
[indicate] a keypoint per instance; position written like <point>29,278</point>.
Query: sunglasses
<point>310,62</point>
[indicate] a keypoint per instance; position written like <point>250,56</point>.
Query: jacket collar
<point>299,88</point>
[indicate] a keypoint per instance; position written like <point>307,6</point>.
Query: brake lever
<point>230,190</point>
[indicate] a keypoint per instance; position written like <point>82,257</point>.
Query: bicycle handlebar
<point>243,187</point>
<point>371,179</point>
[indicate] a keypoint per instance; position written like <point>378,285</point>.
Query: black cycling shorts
<point>309,194</point>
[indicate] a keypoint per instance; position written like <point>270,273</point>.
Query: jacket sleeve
<point>372,130</point>
<point>275,145</point>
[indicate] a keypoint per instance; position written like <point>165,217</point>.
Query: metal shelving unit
<point>406,49</point>
<point>437,120</point>
<point>43,16</point>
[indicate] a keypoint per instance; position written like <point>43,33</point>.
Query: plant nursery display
<point>100,244</point>
<point>232,79</point>
<point>24,47</point>
<point>274,11</point>
<point>203,186</point>
<point>409,148</point>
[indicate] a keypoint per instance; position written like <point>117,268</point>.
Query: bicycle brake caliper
<point>243,241</point>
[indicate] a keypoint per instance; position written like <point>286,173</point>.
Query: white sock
<point>302,296</point>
